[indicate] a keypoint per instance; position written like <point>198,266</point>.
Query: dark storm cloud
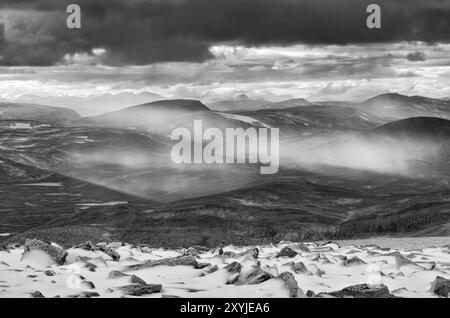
<point>416,56</point>
<point>147,31</point>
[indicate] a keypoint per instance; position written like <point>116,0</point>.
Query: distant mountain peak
<point>173,104</point>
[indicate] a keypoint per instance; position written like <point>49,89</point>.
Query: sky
<point>132,51</point>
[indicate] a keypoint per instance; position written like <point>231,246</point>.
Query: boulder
<point>139,290</point>
<point>310,294</point>
<point>291,283</point>
<point>257,276</point>
<point>441,286</point>
<point>355,260</point>
<point>363,291</point>
<point>86,284</point>
<point>209,270</point>
<point>37,294</point>
<point>110,252</point>
<point>185,260</point>
<point>137,280</point>
<point>85,294</point>
<point>56,253</point>
<point>299,267</point>
<point>89,246</point>
<point>233,268</point>
<point>50,273</point>
<point>400,259</point>
<point>116,274</point>
<point>287,252</point>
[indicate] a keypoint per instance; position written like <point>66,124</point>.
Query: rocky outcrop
<point>441,286</point>
<point>355,260</point>
<point>185,260</point>
<point>108,250</point>
<point>257,276</point>
<point>56,253</point>
<point>86,284</point>
<point>234,267</point>
<point>298,268</point>
<point>291,284</point>
<point>287,252</point>
<point>139,290</point>
<point>116,274</point>
<point>137,280</point>
<point>37,294</point>
<point>361,291</point>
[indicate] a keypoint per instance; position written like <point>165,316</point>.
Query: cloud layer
<point>140,32</point>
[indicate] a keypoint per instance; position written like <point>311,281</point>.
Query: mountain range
<point>378,167</point>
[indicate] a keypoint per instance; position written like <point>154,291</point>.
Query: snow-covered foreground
<point>284,270</point>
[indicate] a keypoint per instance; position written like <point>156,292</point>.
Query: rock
<point>202,265</point>
<point>50,273</point>
<point>87,284</point>
<point>319,272</point>
<point>4,249</point>
<point>363,291</point>
<point>192,251</point>
<point>441,286</point>
<point>401,260</point>
<point>257,276</point>
<point>139,290</point>
<point>116,274</point>
<point>209,270</point>
<point>355,260</point>
<point>399,290</point>
<point>233,268</point>
<point>200,248</point>
<point>91,267</point>
<point>333,245</point>
<point>287,252</point>
<point>137,280</point>
<point>219,249</point>
<point>110,252</point>
<point>302,247</point>
<point>290,283</point>
<point>85,294</point>
<point>88,246</point>
<point>56,253</point>
<point>429,266</point>
<point>185,260</point>
<point>310,294</point>
<point>298,268</point>
<point>340,257</point>
<point>37,294</point>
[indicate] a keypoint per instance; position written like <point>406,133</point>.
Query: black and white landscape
<point>92,204</point>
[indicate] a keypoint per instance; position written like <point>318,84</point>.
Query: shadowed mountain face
<point>396,106</point>
<point>345,172</point>
<point>436,129</point>
<point>307,118</point>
